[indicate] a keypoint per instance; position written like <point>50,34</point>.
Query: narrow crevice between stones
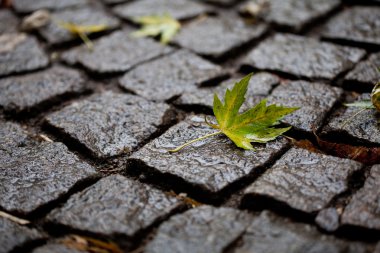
<point>369,47</point>
<point>235,244</point>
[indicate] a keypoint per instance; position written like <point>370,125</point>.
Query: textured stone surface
<point>117,52</point>
<point>120,205</point>
<point>34,176</point>
<point>110,124</point>
<point>12,135</point>
<point>8,22</point>
<point>55,248</point>
<point>25,92</point>
<point>328,219</point>
<point>364,208</point>
<point>303,180</point>
<point>358,24</point>
<point>19,53</point>
<point>366,71</point>
<point>25,6</point>
<point>204,229</point>
<point>216,37</point>
<point>178,9</point>
<point>54,33</point>
<point>314,99</point>
<point>170,76</point>
<point>211,164</point>
<point>302,56</point>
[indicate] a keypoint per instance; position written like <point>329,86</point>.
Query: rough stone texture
<point>269,233</point>
<point>54,33</point>
<point>118,52</point>
<point>199,230</point>
<point>314,99</point>
<point>364,208</point>
<point>178,9</point>
<point>34,176</point>
<point>115,205</point>
<point>303,180</point>
<point>8,22</point>
<point>212,164</point>
<point>13,235</point>
<point>12,135</point>
<point>55,248</point>
<point>19,53</point>
<point>216,37</point>
<point>328,219</point>
<point>25,92</point>
<point>302,56</point>
<point>358,24</point>
<point>25,6</point>
<point>170,76</point>
<point>110,124</point>
<point>363,126</point>
<point>366,71</point>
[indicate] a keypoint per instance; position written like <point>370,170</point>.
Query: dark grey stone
<point>115,205</point>
<point>115,1</point>
<point>314,99</point>
<point>117,52</point>
<point>364,208</point>
<point>366,71</point>
<point>212,164</point>
<point>56,248</point>
<point>19,53</point>
<point>358,24</point>
<point>303,180</point>
<point>178,9</point>
<point>8,22</point>
<point>328,219</point>
<point>302,56</point>
<point>216,37</point>
<point>25,6</point>
<point>110,124</point>
<point>12,135</point>
<point>25,92</point>
<point>34,176</point>
<point>199,230</point>
<point>170,76</point>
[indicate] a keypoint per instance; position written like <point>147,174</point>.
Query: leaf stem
<point>86,40</point>
<point>195,140</point>
<point>351,117</point>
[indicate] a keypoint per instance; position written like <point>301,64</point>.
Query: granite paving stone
<point>303,180</point>
<point>12,135</point>
<point>356,24</point>
<point>34,176</point>
<point>8,22</point>
<point>328,219</point>
<point>118,52</point>
<point>20,93</point>
<point>170,76</point>
<point>217,37</point>
<point>54,33</point>
<point>366,71</point>
<point>56,248</point>
<point>19,53</point>
<point>212,164</point>
<point>115,205</point>
<point>364,208</point>
<point>203,229</point>
<point>314,99</point>
<point>110,124</point>
<point>303,57</point>
<point>26,6</point>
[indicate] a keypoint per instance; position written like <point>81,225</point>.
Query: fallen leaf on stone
<point>255,8</point>
<point>88,244</point>
<point>14,218</point>
<point>35,20</point>
<point>183,197</point>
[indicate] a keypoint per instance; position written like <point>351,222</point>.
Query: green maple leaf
<point>163,25</point>
<point>254,125</point>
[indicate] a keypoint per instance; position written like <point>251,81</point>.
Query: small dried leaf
<point>36,20</point>
<point>375,96</point>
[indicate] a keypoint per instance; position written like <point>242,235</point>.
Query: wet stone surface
<point>34,176</point>
<point>25,92</point>
<point>203,229</point>
<point>118,52</point>
<point>12,135</point>
<point>314,99</point>
<point>170,76</point>
<point>110,124</point>
<point>120,205</point>
<point>212,164</point>
<point>303,180</point>
<point>366,71</point>
<point>19,53</point>
<point>56,248</point>
<point>357,24</point>
<point>303,57</point>
<point>25,6</point>
<point>8,22</point>
<point>216,37</point>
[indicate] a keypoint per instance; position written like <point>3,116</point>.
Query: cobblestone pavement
<point>85,134</point>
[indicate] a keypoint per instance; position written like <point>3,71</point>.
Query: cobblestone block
<point>203,229</point>
<point>25,92</point>
<point>117,52</point>
<point>26,6</point>
<point>366,71</point>
<point>110,124</point>
<point>8,22</point>
<point>12,135</point>
<point>115,205</point>
<point>212,164</point>
<point>170,76</point>
<point>314,99</point>
<point>302,56</point>
<point>19,53</point>
<point>217,37</point>
<point>34,176</point>
<point>303,180</point>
